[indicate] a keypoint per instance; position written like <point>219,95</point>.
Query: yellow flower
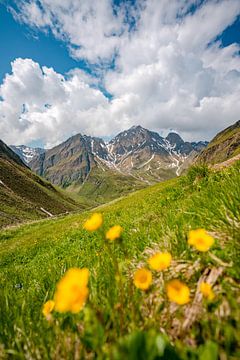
<point>200,239</point>
<point>142,278</point>
<point>114,233</point>
<point>72,291</point>
<point>94,222</point>
<point>178,292</point>
<point>160,261</point>
<point>206,290</point>
<point>48,307</point>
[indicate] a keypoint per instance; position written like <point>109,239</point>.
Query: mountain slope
<point>148,156</point>
<point>66,163</point>
<point>8,154</point>
<point>23,195</point>
<point>137,156</point>
<point>103,185</point>
<point>223,146</point>
<point>124,325</point>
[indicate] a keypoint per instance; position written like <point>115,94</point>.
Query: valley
<point>120,180</point>
<point>115,183</point>
<point>94,172</point>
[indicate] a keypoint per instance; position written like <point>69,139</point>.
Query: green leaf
<point>208,351</point>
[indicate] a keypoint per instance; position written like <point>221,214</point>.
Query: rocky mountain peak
<point>135,140</point>
<point>138,152</point>
<point>174,139</point>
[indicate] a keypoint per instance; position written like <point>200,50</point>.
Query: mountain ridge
<point>138,152</point>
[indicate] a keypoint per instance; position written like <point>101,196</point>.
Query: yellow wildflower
<point>178,292</point>
<point>142,278</point>
<point>72,291</point>
<point>200,239</point>
<point>160,261</point>
<point>94,222</point>
<point>206,290</point>
<point>114,233</point>
<point>48,307</point>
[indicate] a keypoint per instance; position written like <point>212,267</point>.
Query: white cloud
<point>209,21</point>
<point>91,27</point>
<point>53,106</point>
<point>169,73</point>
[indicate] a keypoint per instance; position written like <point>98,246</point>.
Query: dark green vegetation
<point>24,195</point>
<point>224,146</point>
<point>121,322</point>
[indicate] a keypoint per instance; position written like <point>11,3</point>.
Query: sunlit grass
<point>119,318</point>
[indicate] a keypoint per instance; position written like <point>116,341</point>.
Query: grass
<point>103,185</point>
<point>120,321</point>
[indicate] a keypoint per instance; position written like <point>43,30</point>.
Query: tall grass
<point>134,324</point>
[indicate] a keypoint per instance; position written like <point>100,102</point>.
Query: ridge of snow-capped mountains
<point>26,153</point>
<point>142,154</point>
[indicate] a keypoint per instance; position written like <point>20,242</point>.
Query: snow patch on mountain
<point>26,153</point>
<point>138,152</point>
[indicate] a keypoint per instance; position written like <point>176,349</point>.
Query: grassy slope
<point>226,134</point>
<point>103,186</point>
<point>34,257</point>
<point>223,146</point>
<point>23,193</point>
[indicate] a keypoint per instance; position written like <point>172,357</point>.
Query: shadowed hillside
<point>24,195</point>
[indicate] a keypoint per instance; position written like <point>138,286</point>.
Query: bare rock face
<point>68,162</point>
<point>143,155</point>
<point>148,156</point>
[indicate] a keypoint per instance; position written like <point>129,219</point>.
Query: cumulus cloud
<point>169,72</point>
<point>38,103</point>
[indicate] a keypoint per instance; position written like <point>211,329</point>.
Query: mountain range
<point>100,171</point>
<point>94,172</point>
<point>136,152</point>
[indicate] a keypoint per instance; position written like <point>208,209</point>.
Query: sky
<point>100,67</point>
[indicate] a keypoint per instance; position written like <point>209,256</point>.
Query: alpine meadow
<point>120,180</point>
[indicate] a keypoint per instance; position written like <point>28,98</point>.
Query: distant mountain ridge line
<point>94,172</point>
<point>27,153</point>
<point>142,154</point>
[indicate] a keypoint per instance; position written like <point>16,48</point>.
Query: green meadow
<point>120,321</point>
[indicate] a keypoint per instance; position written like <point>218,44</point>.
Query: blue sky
<point>114,45</point>
<point>19,40</point>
